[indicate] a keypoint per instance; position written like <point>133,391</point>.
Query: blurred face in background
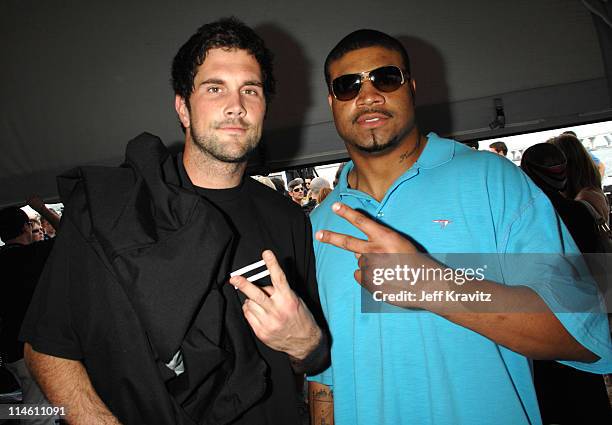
<point>47,228</point>
<point>37,231</point>
<point>297,193</point>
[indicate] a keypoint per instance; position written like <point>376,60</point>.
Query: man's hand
<point>380,240</point>
<point>535,332</point>
<point>38,205</point>
<point>279,318</point>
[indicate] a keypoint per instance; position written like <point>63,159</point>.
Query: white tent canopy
<point>79,79</point>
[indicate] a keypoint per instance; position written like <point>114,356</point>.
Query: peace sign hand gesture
<point>380,240</point>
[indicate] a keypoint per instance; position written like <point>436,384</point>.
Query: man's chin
<point>233,159</point>
<point>230,155</point>
<point>374,148</point>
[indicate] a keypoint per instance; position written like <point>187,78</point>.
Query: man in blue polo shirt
<point>425,363</point>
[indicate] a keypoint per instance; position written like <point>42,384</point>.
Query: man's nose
<point>234,107</point>
<point>369,95</point>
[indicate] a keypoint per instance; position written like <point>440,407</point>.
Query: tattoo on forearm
<point>323,395</point>
<point>322,400</point>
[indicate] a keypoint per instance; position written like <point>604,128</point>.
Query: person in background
<point>309,202</point>
<point>499,148</point>
<point>601,166</point>
<point>317,184</point>
<point>546,165</point>
<point>323,194</point>
<point>21,263</point>
<point>49,219</point>
<point>583,178</point>
<point>279,184</point>
<point>338,174</point>
<point>15,227</point>
<point>48,229</point>
<point>296,190</point>
<point>565,394</point>
<point>37,230</point>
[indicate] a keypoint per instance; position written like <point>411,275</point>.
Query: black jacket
<point>148,268</point>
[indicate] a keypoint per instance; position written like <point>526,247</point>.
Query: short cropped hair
<point>319,183</point>
<point>295,182</point>
<point>499,147</point>
<point>12,220</point>
<point>227,33</point>
<point>361,39</point>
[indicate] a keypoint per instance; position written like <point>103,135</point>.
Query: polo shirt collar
<point>438,151</point>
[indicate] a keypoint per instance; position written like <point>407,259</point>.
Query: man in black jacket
<point>151,328</point>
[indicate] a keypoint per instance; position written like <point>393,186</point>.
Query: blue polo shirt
<point>416,367</point>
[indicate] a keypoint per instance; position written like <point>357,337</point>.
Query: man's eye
<point>251,92</point>
<point>213,89</point>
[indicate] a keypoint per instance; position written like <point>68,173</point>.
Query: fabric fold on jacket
<point>142,223</point>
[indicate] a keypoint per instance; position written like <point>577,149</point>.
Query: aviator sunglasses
<point>386,79</point>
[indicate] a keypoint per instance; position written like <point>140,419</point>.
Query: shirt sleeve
<point>541,254</point>
<point>48,325</point>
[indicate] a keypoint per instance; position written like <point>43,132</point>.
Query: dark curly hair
<point>226,33</point>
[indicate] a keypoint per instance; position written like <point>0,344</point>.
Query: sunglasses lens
<point>346,87</point>
<point>387,78</point>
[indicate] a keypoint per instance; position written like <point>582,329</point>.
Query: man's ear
<point>182,110</point>
<point>413,90</point>
<point>329,99</point>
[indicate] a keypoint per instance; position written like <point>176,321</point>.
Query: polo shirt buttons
<point>380,214</point>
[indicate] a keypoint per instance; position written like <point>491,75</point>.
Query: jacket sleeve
<point>49,326</point>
